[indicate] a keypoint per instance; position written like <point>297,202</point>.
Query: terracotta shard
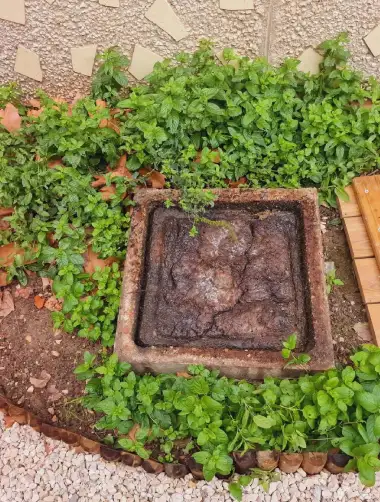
<point>176,470</point>
<point>290,462</point>
<point>244,461</point>
<point>267,460</point>
<point>313,462</point>
<point>152,467</point>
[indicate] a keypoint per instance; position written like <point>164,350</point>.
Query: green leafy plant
<point>10,93</point>
<point>219,415</point>
<point>265,478</point>
<point>110,78</point>
<point>332,280</point>
<point>288,352</point>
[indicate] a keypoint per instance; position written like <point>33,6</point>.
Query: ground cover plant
<point>68,172</point>
<point>339,408</point>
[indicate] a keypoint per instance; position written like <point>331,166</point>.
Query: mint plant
<point>288,352</point>
<point>220,415</point>
<point>110,78</point>
<point>332,280</point>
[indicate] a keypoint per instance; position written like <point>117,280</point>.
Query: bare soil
<point>346,307</point>
<point>236,285</point>
<point>28,345</point>
<point>22,357</point>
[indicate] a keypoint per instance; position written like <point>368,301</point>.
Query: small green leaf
<point>235,491</point>
<point>264,422</point>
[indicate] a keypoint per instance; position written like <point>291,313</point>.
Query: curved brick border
<point>311,462</point>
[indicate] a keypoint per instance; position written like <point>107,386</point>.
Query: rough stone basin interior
<point>238,284</point>
<point>230,296</point>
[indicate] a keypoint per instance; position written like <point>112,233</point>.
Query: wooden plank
<point>367,190</point>
<point>373,312</point>
<point>349,208</point>
<point>368,276</point>
<point>358,240</point>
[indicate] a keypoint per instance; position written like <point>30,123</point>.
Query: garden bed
<point>21,359</point>
<point>69,175</point>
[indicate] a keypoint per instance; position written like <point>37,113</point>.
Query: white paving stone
<point>110,3</point>
<point>143,61</point>
<point>163,15</point>
<point>12,10</point>
<point>310,61</point>
<point>28,63</point>
<point>373,41</point>
<point>83,59</point>
<point>236,4</point>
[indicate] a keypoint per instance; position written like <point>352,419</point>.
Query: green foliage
<point>110,78</point>
<point>332,280</point>
<point>72,133</point>
<point>221,415</point>
<point>276,126</point>
<point>94,315</point>
<point>10,93</point>
<point>288,352</point>
<point>265,478</point>
<point>61,203</point>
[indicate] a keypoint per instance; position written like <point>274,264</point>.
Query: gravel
<point>34,468</point>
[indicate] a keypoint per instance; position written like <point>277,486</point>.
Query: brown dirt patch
<point>346,307</point>
<point>28,345</point>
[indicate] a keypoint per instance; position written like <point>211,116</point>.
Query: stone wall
<point>52,43</point>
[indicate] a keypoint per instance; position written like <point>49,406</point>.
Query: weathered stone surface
<point>222,284</point>
<point>238,285</point>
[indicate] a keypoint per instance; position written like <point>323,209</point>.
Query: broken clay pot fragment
<point>195,469</point>
<point>336,462</point>
<point>290,462</point>
<point>244,462</point>
<point>130,459</point>
<point>176,470</point>
<point>314,461</point>
<point>109,454</point>
<point>267,460</point>
<point>152,467</point>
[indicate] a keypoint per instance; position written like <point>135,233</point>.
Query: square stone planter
<point>228,297</point>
